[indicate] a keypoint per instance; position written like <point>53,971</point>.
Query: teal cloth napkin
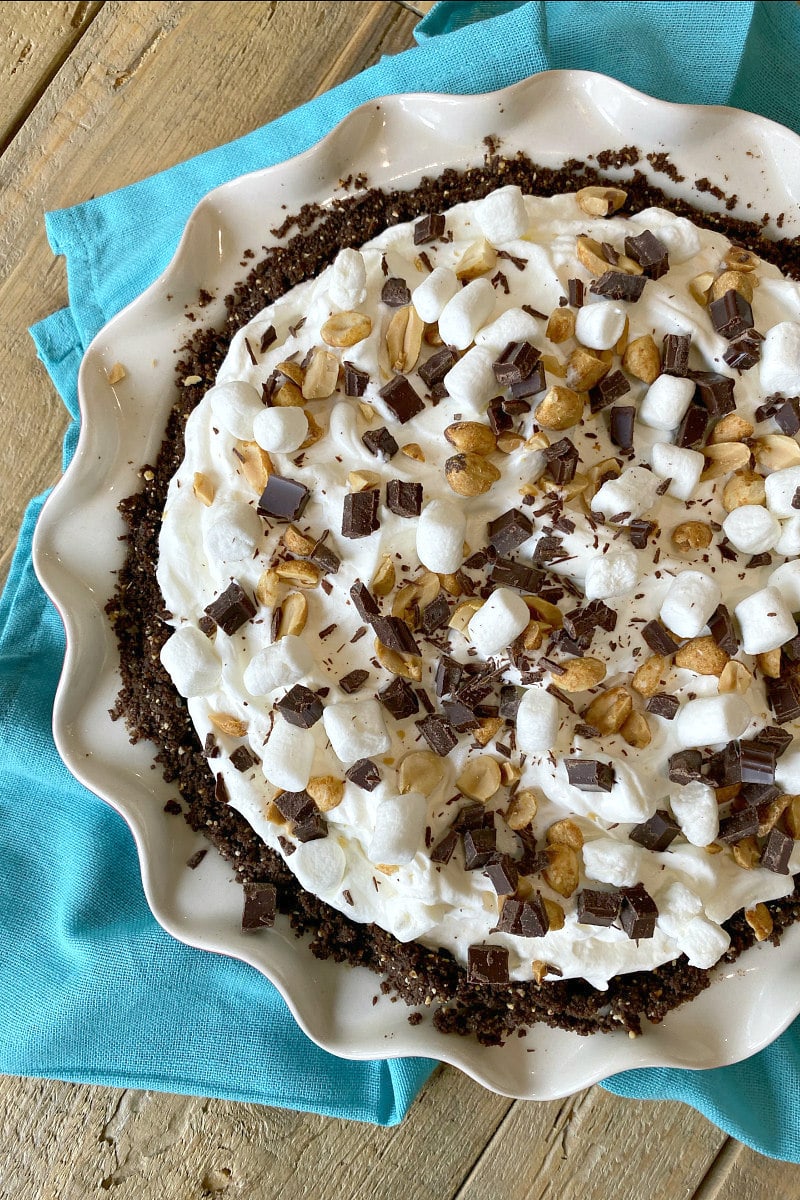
<point>90,988</point>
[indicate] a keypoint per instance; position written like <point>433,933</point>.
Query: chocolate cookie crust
<point>153,710</point>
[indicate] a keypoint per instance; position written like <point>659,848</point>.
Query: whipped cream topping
<point>212,535</point>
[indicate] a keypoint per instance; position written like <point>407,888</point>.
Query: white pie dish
<point>554,116</point>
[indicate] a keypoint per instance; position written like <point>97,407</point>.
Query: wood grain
<point>93,96</point>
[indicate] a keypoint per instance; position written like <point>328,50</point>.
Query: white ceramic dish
<point>554,116</point>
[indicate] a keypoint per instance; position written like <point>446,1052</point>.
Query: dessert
<point>478,556</point>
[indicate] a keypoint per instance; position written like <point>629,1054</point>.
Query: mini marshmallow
<point>399,828</point>
<point>471,381</point>
<point>462,317</point>
<point>681,466</point>
<point>498,622</point>
<point>280,430</point>
<point>430,297</point>
<point>356,729</point>
<point>665,402</point>
<point>703,942</point>
<point>288,755</point>
<point>502,215</point>
<point>788,544</point>
<point>611,574</point>
<point>634,491</point>
<point>678,234</point>
<point>751,529</point>
<point>692,598</point>
<point>787,580</point>
<point>537,721</point>
<point>609,861</point>
<point>190,660</point>
<point>514,325</point>
<point>712,720</point>
<point>348,279</point>
<point>282,663</point>
<point>441,529</point>
<point>780,487</point>
<point>235,406</point>
<point>599,326</point>
<point>695,809</point>
<point>779,369</point>
<point>765,620</point>
<point>232,532</point>
<point>319,865</point>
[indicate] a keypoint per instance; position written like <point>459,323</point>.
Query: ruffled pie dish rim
<point>395,140</point>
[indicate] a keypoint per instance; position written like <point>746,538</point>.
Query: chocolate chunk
<point>738,825</point>
<point>510,696</point>
<point>480,846</point>
<point>395,635</point>
<point>353,681</point>
<point>759,795</point>
<point>443,851</point>
<point>657,833</point>
<point>364,774</point>
<point>787,418</point>
<point>796,498</point>
<point>194,860</point>
<point>477,687</point>
<point>400,398</point>
<point>685,766</point>
<point>448,676</point>
<point>435,615</point>
<point>731,315</point>
<point>784,699</point>
<point>500,420</point>
<point>590,775</point>
<point>323,557</point>
<point>640,531</point>
<point>434,369</point>
<point>773,735</point>
<point>268,338</point>
<point>395,292</point>
<point>231,609</point>
<point>714,392</point>
<point>380,443</point>
<point>355,380</point>
<point>460,716</point>
<point>748,762</point>
<point>312,828</point>
<point>503,875</point>
<point>507,573</point>
<point>663,705</point>
<point>693,428</point>
<point>515,363</point>
<point>562,460</point>
<point>243,758</point>
<point>549,549</point>
<point>616,285</point>
<point>207,625</point>
<point>428,228</point>
<point>295,806</point>
<point>576,292</point>
<point>438,733</point>
<point>399,699</point>
<point>487,965</point>
<point>745,351</point>
<point>283,499</point>
<point>622,419</point>
<point>791,649</point>
<point>360,514</point>
<point>607,390</point>
<point>649,252</point>
<point>260,906</point>
<point>638,912</point>
<point>675,359</point>
<point>300,706</point>
<point>659,639</point>
<point>523,918</point>
<point>531,385</point>
<point>777,852</point>
<point>723,631</point>
<point>770,406</point>
<point>473,816</point>
<point>404,499</point>
<point>598,908</point>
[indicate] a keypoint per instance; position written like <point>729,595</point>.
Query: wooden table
<point>94,96</point>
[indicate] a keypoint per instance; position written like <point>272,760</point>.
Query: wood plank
<point>742,1174</point>
<point>129,101</point>
<point>150,1146</point>
<point>35,39</point>
<point>592,1146</point>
